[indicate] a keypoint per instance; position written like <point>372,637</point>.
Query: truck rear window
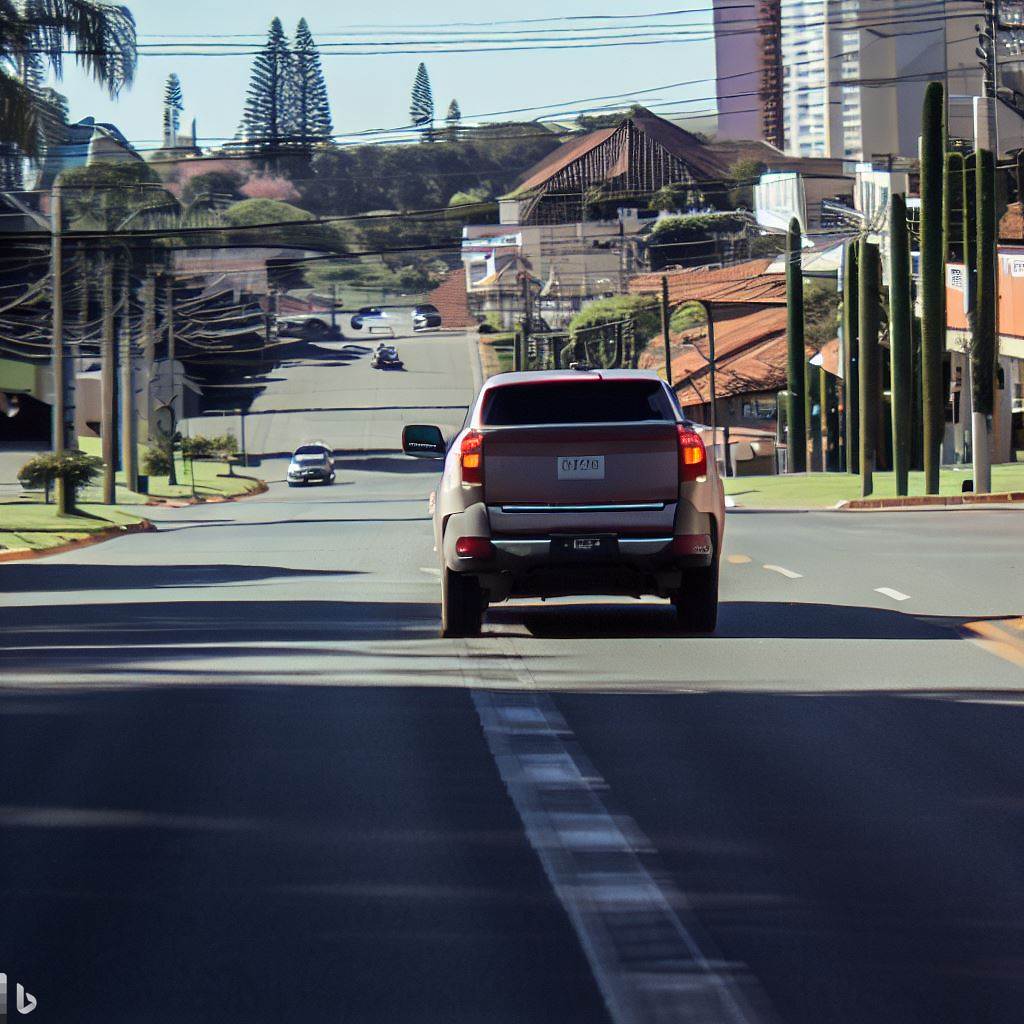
<point>577,401</point>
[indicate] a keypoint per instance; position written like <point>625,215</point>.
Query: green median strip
<point>826,490</point>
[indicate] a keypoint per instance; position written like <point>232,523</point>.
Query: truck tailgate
<point>581,464</point>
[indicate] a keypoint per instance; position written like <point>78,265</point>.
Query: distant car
<point>309,326</point>
<point>385,357</point>
<point>372,319</point>
<point>425,317</point>
<point>311,463</point>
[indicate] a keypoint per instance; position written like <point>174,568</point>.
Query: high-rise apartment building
<point>851,74</point>
<point>748,57</point>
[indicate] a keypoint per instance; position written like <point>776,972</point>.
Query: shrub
<point>76,468</point>
<point>643,309</point>
<point>200,447</point>
<point>156,459</point>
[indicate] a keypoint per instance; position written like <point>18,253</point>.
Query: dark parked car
<point>311,463</point>
<point>425,317</point>
<point>308,326</point>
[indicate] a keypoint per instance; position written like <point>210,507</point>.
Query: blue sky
<point>373,91</point>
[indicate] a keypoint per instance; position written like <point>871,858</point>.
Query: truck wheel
<point>462,605</point>
<point>696,601</point>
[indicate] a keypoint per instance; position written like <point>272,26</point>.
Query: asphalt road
<point>244,780</point>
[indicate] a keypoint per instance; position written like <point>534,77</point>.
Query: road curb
<point>218,499</point>
<point>929,501</point>
<point>143,526</point>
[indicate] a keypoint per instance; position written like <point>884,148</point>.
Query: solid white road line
<point>896,595</point>
<point>430,571</point>
<point>632,922</point>
<point>788,573</point>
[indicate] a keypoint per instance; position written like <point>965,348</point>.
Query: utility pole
<point>334,308</point>
<point>172,473</point>
<point>108,396</point>
<point>65,495</point>
<point>665,325</point>
<point>129,428</point>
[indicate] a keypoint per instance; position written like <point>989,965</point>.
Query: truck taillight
<point>693,456</point>
<point>471,458</point>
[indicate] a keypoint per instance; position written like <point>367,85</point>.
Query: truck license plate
<point>580,467</point>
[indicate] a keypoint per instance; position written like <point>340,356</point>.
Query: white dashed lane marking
<point>896,595</point>
<point>782,571</point>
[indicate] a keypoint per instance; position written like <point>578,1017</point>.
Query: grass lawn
<point>34,526</point>
<point>824,490</point>
<point>211,480</point>
<point>496,353</point>
<point>29,523</point>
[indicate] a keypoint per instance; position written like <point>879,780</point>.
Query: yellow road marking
<point>996,641</point>
<point>738,559</point>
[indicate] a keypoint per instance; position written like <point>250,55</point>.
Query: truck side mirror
<point>423,442</point>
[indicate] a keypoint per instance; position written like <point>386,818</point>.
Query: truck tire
<point>462,605</point>
<point>696,602</point>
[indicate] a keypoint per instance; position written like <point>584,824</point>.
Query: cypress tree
<point>900,342</point>
<point>870,273</point>
<point>174,104</point>
<point>812,414</point>
<point>984,324</point>
<point>310,106</point>
<point>421,109</point>
<point>267,121</point>
<point>796,352</point>
<point>851,329</point>
<point>933,278</point>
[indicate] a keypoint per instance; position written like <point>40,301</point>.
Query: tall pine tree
<point>310,107</point>
<point>268,121</point>
<point>174,105</point>
<point>452,120</point>
<point>421,109</point>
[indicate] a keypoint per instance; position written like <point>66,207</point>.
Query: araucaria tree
<point>174,104</point>
<point>311,108</point>
<point>421,109</point>
<point>267,123</point>
<point>452,120</point>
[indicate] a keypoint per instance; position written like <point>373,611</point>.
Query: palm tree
<point>34,37</point>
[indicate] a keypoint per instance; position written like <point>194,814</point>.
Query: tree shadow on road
<point>256,853</point>
<point>57,577</point>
